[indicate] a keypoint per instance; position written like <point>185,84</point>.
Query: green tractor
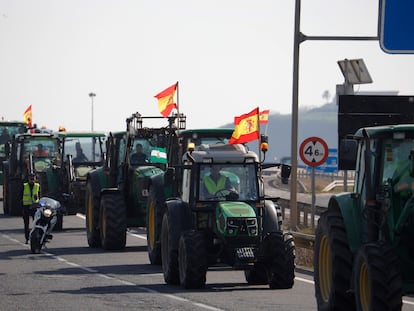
<point>7,130</point>
<point>237,226</point>
<point>117,193</point>
<point>81,153</point>
<point>37,153</point>
<point>159,190</point>
<point>364,246</point>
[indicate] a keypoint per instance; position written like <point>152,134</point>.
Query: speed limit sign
<point>313,151</point>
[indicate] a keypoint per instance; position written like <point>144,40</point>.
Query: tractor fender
<point>97,182</point>
<point>270,218</point>
<point>347,204</point>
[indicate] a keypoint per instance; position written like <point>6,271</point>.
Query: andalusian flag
<point>159,155</point>
<point>166,101</point>
<point>264,116</point>
<point>246,128</point>
<point>27,116</point>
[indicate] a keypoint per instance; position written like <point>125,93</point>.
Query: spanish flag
<point>27,116</point>
<point>166,100</point>
<point>246,128</point>
<point>264,116</point>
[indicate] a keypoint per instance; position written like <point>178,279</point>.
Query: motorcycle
<point>44,219</point>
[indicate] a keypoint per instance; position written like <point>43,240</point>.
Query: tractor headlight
<point>47,212</point>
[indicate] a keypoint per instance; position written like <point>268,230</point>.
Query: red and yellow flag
<point>27,116</point>
<point>166,100</point>
<point>246,128</point>
<point>264,116</point>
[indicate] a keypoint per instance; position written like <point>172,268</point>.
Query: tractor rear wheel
<point>92,217</point>
<point>332,264</point>
<point>113,221</point>
<point>192,259</point>
<point>154,224</point>
<point>378,283</point>
<point>281,271</point>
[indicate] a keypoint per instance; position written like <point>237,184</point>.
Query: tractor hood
<point>236,218</point>
<point>147,171</point>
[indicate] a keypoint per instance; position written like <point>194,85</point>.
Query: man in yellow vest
<point>215,182</point>
<point>31,194</point>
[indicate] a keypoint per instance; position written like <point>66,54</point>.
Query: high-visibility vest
<point>28,196</point>
<point>212,187</point>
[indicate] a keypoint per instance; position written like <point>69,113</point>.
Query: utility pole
<point>298,39</point>
<point>92,95</point>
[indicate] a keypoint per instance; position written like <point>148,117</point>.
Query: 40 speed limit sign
<point>313,151</point>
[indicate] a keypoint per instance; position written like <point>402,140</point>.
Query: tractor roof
<point>81,134</point>
<point>384,129</point>
<point>223,153</point>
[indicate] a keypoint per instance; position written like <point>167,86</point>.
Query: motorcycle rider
<point>31,194</point>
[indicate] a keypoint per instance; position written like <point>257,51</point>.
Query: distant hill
<point>321,122</point>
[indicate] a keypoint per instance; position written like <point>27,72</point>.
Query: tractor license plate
<point>245,253</point>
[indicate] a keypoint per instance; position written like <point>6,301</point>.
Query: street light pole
<point>92,95</point>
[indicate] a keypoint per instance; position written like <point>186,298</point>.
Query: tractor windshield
<point>84,149</point>
<point>148,151</point>
<point>396,158</point>
<point>233,182</point>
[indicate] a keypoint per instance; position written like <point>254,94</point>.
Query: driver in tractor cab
<point>216,183</point>
<point>40,152</point>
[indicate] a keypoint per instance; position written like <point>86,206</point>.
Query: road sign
<point>397,26</point>
<point>313,151</point>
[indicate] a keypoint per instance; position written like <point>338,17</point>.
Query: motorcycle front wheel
<point>35,237</point>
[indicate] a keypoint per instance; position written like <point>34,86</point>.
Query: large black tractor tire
<point>113,221</point>
<point>154,224</point>
<point>377,283</point>
<point>35,237</point>
<point>281,270</point>
<point>15,198</point>
<point>332,264</point>
<point>175,221</point>
<point>192,259</point>
<point>92,217</point>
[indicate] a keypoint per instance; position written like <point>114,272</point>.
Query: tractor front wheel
<point>281,270</point>
<point>192,259</point>
<point>113,221</point>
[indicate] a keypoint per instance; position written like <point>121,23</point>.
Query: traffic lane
<point>132,274</point>
<point>225,287</point>
<point>134,278</point>
<point>51,281</point>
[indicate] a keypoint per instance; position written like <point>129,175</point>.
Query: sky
<point>229,56</point>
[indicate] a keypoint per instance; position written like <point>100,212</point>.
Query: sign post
<point>313,152</point>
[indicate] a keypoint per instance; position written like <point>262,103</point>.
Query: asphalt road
<point>69,275</point>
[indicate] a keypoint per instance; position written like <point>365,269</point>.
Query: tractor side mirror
<point>285,173</point>
<point>347,154</point>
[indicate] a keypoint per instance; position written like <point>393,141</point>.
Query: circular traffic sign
<point>313,151</point>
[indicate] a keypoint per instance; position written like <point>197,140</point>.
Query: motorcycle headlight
<point>47,212</point>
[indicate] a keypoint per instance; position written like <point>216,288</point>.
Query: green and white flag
<point>158,155</point>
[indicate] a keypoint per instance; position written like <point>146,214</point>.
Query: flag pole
<point>260,138</point>
<point>178,107</point>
